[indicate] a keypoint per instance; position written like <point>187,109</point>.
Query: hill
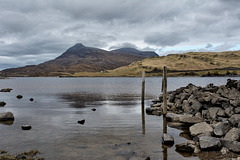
<point>79,58</point>
<point>187,64</point>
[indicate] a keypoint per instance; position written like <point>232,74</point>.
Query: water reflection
<point>143,120</point>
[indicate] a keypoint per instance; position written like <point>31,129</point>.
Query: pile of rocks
<point>212,114</point>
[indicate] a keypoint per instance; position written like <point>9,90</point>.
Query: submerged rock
<point>81,121</point>
<point>189,146</point>
<point>6,90</point>
<point>19,96</point>
<point>26,127</point>
<point>6,116</point>
<point>167,139</point>
<point>2,104</point>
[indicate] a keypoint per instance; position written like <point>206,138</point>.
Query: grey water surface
<point>116,130</point>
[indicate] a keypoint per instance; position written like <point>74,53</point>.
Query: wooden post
<point>164,88</point>
<point>143,86</point>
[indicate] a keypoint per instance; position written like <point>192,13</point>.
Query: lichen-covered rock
<point>200,128</point>
<point>222,128</point>
<point>233,134</point>
<point>209,143</point>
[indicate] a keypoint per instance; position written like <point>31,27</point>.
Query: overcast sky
<point>34,31</point>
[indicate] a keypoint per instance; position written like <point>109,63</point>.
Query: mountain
<point>134,51</point>
<point>79,58</point>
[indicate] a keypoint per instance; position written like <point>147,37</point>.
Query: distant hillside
<point>79,58</point>
<point>192,63</point>
<point>136,52</point>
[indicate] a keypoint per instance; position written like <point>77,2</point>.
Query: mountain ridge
<point>78,58</point>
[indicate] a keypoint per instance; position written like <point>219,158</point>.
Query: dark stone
<point>229,111</point>
<point>209,143</point>
<point>231,145</point>
<point>81,121</point>
<point>148,158</point>
<point>167,139</point>
<point>6,116</point>
<point>94,109</point>
<point>235,119</point>
<point>222,128</point>
<point>2,104</point>
<point>26,127</point>
<point>196,106</point>
<point>19,96</point>
<point>31,99</point>
<point>237,110</point>
<point>6,90</point>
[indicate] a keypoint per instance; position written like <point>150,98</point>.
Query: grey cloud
<point>165,39</point>
<point>123,45</point>
<point>209,45</point>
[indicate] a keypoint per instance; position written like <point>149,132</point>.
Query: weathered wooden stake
<point>143,119</point>
<point>164,89</point>
<point>143,86</point>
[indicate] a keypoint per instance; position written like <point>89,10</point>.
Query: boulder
<point>222,128</point>
<point>186,106</point>
<point>209,143</point>
<point>31,99</point>
<point>200,128</point>
<point>81,121</point>
<point>216,111</point>
<point>2,104</point>
<point>6,116</point>
<point>178,125</point>
<point>237,110</point>
<point>231,145</point>
<point>6,90</point>
<point>149,110</point>
<point>156,105</point>
<point>188,146</point>
<point>223,91</point>
<point>229,111</point>
<point>233,134</point>
<point>190,119</point>
<point>235,119</point>
<point>167,139</point>
<point>172,117</point>
<point>231,83</point>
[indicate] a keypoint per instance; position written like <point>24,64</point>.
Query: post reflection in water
<point>164,147</point>
<point>143,119</point>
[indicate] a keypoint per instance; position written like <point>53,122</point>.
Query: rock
<point>2,104</point>
<point>148,158</point>
<point>237,110</point>
<point>19,96</point>
<point>233,134</point>
<point>200,128</point>
<point>222,128</point>
<point>231,83</point>
<point>6,116</point>
<point>223,91</point>
<point>157,113</point>
<point>26,127</point>
<point>195,106</point>
<point>157,100</point>
<point>186,106</point>
<point>178,125</point>
<point>231,145</point>
<point>215,111</point>
<point>190,119</point>
<point>209,143</point>
<point>31,99</point>
<point>156,105</point>
<point>224,150</point>
<point>167,139</point>
<point>81,121</point>
<point>149,110</point>
<point>172,117</point>
<point>94,109</point>
<point>188,146</point>
<point>229,111</point>
<point>235,119</point>
<point>6,90</point>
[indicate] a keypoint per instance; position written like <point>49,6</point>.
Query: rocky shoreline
<point>211,113</point>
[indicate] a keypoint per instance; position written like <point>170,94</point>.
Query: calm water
<point>114,131</point>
